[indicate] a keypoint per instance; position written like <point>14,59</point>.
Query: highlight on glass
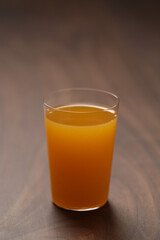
<point>80,129</point>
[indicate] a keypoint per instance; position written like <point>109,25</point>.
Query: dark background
<point>111,45</point>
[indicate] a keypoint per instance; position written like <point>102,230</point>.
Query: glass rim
<point>45,104</point>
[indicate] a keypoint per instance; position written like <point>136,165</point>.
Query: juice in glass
<point>80,141</point>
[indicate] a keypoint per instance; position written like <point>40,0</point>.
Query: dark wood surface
<point>49,45</point>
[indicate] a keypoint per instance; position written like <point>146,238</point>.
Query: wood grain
<point>99,44</point>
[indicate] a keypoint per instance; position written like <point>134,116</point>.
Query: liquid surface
<point>76,115</point>
<point>80,147</point>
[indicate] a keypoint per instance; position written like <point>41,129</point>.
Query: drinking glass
<point>80,130</point>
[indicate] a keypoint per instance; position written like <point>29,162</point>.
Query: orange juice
<point>80,147</point>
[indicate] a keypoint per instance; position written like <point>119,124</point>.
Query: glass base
<point>79,209</point>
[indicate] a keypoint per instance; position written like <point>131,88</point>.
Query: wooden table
<point>49,45</point>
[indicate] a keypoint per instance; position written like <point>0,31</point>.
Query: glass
<point>80,129</point>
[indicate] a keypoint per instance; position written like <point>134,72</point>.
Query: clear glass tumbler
<point>80,130</point>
